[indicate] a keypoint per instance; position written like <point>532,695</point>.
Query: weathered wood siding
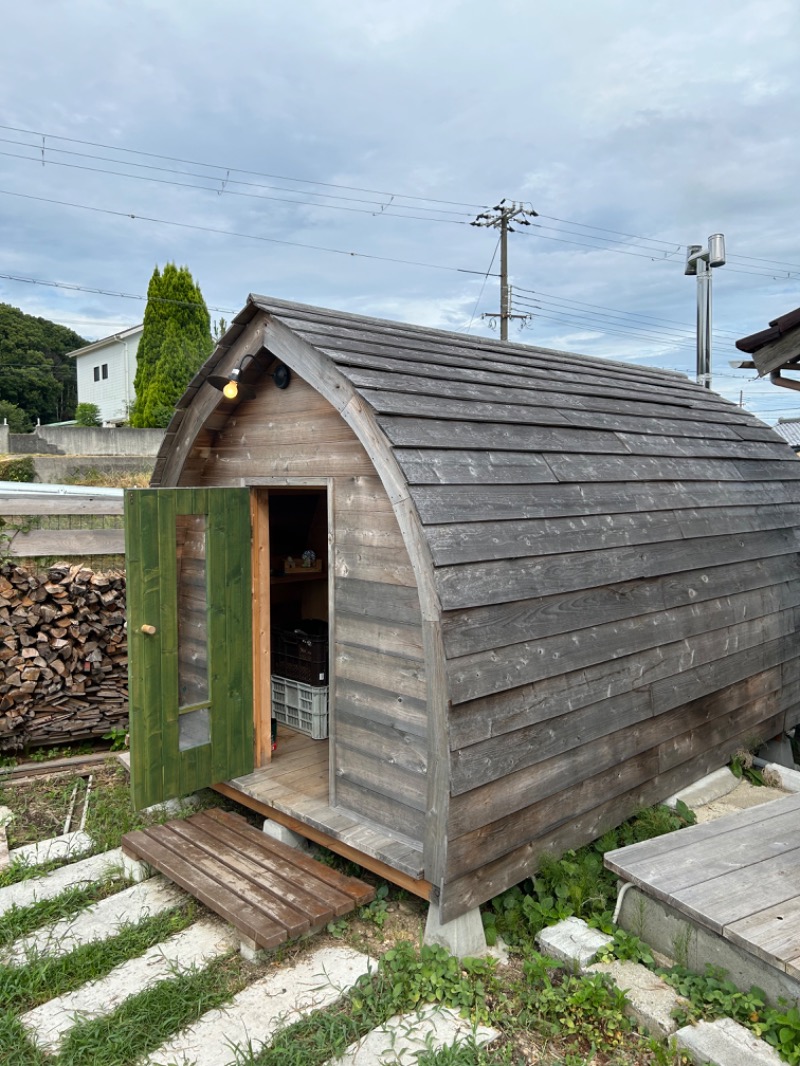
<point>615,553</point>
<point>610,565</point>
<point>380,713</point>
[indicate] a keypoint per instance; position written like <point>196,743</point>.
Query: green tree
<point>175,342</point>
<point>87,414</point>
<point>18,421</point>
<point>35,373</point>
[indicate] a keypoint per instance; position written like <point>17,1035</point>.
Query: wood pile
<point>63,655</point>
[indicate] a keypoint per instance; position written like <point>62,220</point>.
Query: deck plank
<point>772,934</point>
<point>739,893</point>
<point>267,890</point>
<point>738,876</point>
<point>338,887</point>
<point>681,868</point>
<point>140,845</point>
<point>173,836</point>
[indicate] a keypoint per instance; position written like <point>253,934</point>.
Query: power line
<point>224,177</point>
<point>224,182</point>
<point>385,210</point>
<point>234,233</point>
<point>110,292</point>
<point>615,310</point>
<point>658,240</point>
<point>234,170</point>
<point>483,286</point>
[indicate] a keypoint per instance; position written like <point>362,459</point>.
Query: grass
<point>43,978</point>
<point>21,921</point>
<point>143,1022</point>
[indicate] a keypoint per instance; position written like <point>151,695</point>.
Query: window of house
<point>97,373</point>
<point>104,370</point>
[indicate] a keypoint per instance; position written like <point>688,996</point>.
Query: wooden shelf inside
<point>297,575</point>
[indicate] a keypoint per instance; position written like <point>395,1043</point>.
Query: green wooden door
<point>189,639</point>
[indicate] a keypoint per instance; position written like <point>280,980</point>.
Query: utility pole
<point>502,215</point>
<point>699,263</point>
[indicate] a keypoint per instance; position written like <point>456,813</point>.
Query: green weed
<point>713,995</point>
<point>143,1022</point>
<point>589,1011</point>
<point>20,921</point>
<point>43,978</point>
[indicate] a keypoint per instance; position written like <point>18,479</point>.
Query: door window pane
<point>193,685</point>
<point>194,729</point>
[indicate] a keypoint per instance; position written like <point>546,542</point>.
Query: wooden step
<point>267,890</point>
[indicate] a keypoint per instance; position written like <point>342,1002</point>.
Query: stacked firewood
<point>63,655</point>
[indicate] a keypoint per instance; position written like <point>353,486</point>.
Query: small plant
<point>713,995</point>
<point>585,1009</point>
<point>118,738</point>
<point>627,948</point>
<point>378,911</point>
<point>409,978</point>
<point>742,767</point>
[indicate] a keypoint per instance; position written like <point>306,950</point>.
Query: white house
<point>106,370</point>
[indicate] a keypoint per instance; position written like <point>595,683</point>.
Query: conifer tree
<point>175,342</point>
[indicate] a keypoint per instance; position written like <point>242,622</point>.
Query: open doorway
<point>291,624</point>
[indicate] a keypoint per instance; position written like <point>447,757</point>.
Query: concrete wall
<point>54,469</point>
<point>83,441</point>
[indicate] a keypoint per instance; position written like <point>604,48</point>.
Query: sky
<point>336,153</point>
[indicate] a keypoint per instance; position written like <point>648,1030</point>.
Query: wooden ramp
<point>738,876</point>
<point>267,890</point>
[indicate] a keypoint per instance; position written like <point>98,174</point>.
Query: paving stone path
<point>251,1019</point>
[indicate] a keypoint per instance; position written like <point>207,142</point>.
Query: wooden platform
<point>269,891</point>
<point>294,790</point>
<point>738,876</point>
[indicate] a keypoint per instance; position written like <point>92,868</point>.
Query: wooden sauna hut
<point>557,589</point>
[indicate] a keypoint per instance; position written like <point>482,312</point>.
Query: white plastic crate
<point>300,706</point>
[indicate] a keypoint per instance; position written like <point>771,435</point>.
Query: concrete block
<point>651,1001</point>
<point>725,1043</point>
<point>68,846</point>
<point>255,1014</point>
<point>6,817</point>
<point>75,875</point>
<point>133,869</point>
<point>463,937</point>
<point>405,1037</point>
<point>706,790</point>
<point>284,835</point>
<point>789,779</point>
<point>778,750</point>
<point>668,931</point>
<point>97,922</point>
<point>173,806</point>
<point>193,948</point>
<point>571,941</point>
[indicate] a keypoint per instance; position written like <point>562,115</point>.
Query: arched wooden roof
<point>531,473</point>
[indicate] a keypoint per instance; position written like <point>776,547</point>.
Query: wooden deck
<point>738,876</point>
<point>293,790</point>
<point>270,892</point>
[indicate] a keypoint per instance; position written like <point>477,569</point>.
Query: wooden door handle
<point>149,630</point>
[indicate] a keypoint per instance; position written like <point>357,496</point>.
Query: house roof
<point>480,431</point>
<point>777,328</point>
<point>789,429</point>
<point>122,335</point>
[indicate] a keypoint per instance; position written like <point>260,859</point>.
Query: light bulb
<point>231,391</point>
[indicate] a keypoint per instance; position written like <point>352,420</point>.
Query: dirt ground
<point>743,796</point>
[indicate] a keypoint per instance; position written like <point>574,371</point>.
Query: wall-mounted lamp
<point>232,387</point>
